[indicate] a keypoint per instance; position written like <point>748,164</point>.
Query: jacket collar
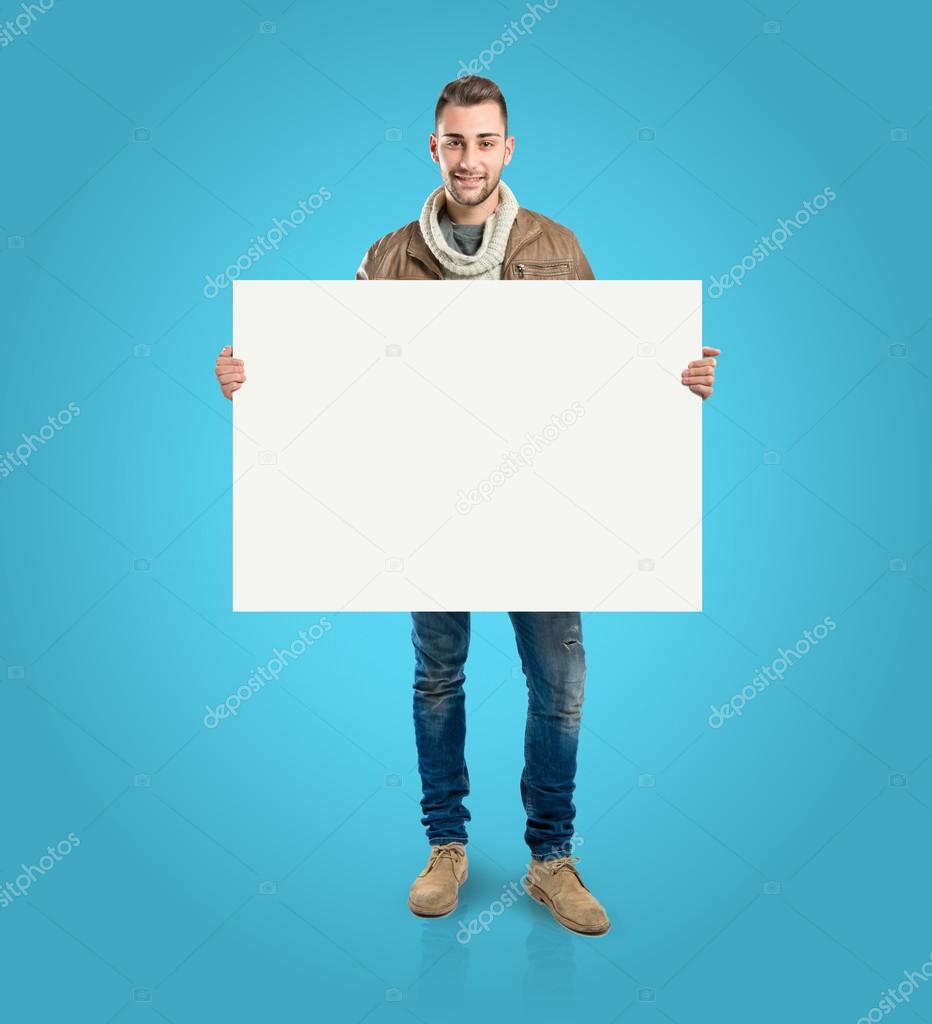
<point>525,229</point>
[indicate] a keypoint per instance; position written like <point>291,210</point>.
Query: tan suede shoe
<point>556,884</point>
<point>434,893</point>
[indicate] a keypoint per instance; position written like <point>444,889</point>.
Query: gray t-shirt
<point>465,238</point>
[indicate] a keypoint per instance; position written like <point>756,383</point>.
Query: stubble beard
<point>471,199</point>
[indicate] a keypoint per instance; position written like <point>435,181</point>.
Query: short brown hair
<point>467,92</point>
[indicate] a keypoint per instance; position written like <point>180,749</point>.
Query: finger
<point>228,361</point>
<point>226,350</point>
<point>703,362</point>
<point>236,377</point>
<point>701,389</point>
<point>699,374</point>
<point>708,351</point>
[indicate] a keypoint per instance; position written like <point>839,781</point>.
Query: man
<point>470,228</point>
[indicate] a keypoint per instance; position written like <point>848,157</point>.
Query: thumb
<point>227,350</point>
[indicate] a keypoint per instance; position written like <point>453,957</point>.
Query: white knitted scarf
<point>487,261</point>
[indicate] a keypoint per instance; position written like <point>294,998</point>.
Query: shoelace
<point>558,863</point>
<point>438,852</point>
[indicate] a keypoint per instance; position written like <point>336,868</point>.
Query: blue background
<point>774,869</point>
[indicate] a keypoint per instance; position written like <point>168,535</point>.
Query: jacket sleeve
<point>362,272</point>
<point>368,270</point>
<point>583,270</point>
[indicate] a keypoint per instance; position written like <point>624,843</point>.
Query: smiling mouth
<point>464,180</point>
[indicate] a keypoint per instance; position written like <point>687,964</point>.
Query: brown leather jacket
<point>538,249</point>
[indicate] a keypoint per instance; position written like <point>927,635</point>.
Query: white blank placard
<point>467,446</point>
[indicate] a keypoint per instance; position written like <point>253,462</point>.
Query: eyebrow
<point>481,135</point>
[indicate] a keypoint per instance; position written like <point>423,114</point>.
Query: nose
<point>470,159</point>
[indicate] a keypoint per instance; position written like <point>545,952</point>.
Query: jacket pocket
<point>543,270</point>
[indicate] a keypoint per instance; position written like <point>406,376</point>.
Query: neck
<point>478,214</point>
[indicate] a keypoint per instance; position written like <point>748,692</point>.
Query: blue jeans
<point>554,663</point>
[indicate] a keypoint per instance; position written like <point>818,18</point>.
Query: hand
<point>230,372</point>
<point>699,376</point>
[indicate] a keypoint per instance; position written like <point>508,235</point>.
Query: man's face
<point>471,148</point>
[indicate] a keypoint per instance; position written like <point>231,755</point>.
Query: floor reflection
<point>442,981</point>
<point>550,973</point>
<point>533,959</point>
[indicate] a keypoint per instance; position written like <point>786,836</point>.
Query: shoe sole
<point>439,913</point>
<point>541,897</point>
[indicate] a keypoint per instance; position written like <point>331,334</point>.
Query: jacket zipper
<point>519,267</point>
<point>521,271</point>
